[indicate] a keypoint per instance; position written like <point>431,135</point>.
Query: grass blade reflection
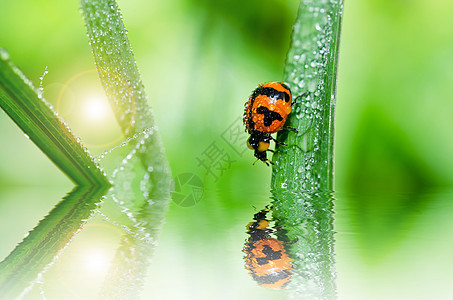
<point>40,247</point>
<point>137,202</point>
<point>308,227</point>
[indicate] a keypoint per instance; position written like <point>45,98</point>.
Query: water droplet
<point>4,54</point>
<point>41,87</point>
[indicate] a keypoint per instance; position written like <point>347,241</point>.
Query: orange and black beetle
<point>265,113</point>
<point>266,258</point>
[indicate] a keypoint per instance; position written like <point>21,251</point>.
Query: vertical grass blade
<point>40,123</point>
<point>307,162</point>
<point>302,178</point>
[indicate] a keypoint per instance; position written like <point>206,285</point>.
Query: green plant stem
<point>40,123</point>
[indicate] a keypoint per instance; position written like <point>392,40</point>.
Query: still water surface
<point>361,247</point>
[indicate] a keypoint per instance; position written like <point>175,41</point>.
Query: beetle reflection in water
<point>266,258</point>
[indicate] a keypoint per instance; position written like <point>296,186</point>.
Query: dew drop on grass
<point>4,54</point>
<point>41,87</point>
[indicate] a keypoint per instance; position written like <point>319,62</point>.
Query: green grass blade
<point>302,176</point>
<point>43,243</point>
<point>40,123</point>
<point>116,66</point>
<point>123,86</point>
<point>124,89</point>
<point>307,162</point>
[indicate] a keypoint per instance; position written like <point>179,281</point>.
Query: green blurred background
<point>199,61</point>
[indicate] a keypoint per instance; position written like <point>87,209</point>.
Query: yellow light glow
<point>95,262</point>
<point>96,109</point>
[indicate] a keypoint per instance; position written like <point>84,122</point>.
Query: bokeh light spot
<point>96,109</point>
<point>95,262</point>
